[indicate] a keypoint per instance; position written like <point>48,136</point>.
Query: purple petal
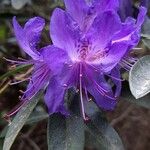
<point>141,16</point>
<point>105,5</point>
<point>29,36</point>
<point>64,31</point>
<point>115,73</point>
<point>103,29</point>
<point>95,84</point>
<point>130,32</point>
<point>102,101</point>
<point>54,98</point>
<point>115,54</point>
<point>78,10</point>
<point>125,9</point>
<point>39,79</point>
<point>55,58</point>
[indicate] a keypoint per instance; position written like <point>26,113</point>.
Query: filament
<point>81,95</point>
<point>15,110</point>
<point>115,78</point>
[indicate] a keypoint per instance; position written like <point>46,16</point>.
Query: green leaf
<point>139,77</point>
<point>146,32</point>
<point>106,137</point>
<point>1,144</point>
<point>66,133</point>
<point>19,120</point>
<point>75,133</point>
<point>37,116</point>
<point>146,42</point>
<point>15,71</point>
<point>3,132</point>
<point>126,95</point>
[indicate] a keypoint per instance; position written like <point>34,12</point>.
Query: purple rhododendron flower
<point>43,60</point>
<point>93,53</point>
<point>90,43</point>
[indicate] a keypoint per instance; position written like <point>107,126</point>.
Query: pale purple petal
<point>114,54</point>
<point>29,36</point>
<point>77,9</point>
<point>64,31</point>
<point>103,28</point>
<point>105,5</point>
<point>55,58</point>
<point>130,32</point>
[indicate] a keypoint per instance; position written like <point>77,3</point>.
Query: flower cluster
<point>90,45</point>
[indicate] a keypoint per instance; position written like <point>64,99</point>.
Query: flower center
<point>89,53</point>
<point>83,49</point>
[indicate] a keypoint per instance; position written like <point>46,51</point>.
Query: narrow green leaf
<point>106,137</point>
<point>19,120</point>
<point>139,77</point>
<point>56,132</point>
<point>75,133</point>
<point>66,133</point>
<point>91,142</point>
<point>14,71</point>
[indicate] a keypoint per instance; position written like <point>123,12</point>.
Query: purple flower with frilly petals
<point>43,60</point>
<point>90,45</point>
<point>93,54</point>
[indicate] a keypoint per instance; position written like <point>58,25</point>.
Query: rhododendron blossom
<point>90,45</point>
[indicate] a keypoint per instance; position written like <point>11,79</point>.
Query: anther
<point>81,75</point>
<point>64,85</point>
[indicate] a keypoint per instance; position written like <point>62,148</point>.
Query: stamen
<point>137,48</point>
<point>115,78</point>
<point>38,83</point>
<point>104,94</point>
<point>101,88</point>
<point>124,67</point>
<point>127,63</point>
<point>86,94</point>
<point>13,83</point>
<point>96,69</point>
<point>65,85</point>
<point>18,62</point>
<point>14,110</point>
<point>131,59</point>
<point>81,96</point>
